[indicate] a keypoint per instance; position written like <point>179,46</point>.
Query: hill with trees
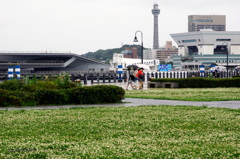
<point>107,55</point>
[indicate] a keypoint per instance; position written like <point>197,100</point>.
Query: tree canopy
<point>106,55</point>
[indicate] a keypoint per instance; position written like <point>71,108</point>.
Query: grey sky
<point>81,26</point>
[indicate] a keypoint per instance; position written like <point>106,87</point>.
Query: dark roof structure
<point>39,61</point>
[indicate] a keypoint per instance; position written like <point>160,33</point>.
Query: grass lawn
<point>187,94</point>
<point>121,132</point>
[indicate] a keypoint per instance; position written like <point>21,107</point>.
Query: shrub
<point>50,96</point>
<point>16,93</point>
<point>10,98</point>
<point>12,85</point>
<point>64,82</point>
<point>46,85</point>
<point>197,82</point>
<point>96,94</point>
<point>237,76</point>
<point>30,88</point>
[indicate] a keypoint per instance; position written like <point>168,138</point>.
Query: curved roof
<point>50,61</point>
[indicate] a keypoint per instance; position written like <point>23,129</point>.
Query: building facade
<point>163,53</point>
<point>214,22</point>
<point>148,54</point>
<point>130,53</point>
<point>207,47</point>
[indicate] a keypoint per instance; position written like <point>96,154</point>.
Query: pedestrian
<point>217,72</point>
<point>237,71</point>
<point>140,76</point>
<point>131,78</point>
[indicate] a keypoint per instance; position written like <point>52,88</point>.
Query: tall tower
<point>155,12</point>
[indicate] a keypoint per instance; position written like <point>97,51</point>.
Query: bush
<point>12,85</point>
<point>96,94</point>
<point>195,82</point>
<point>10,98</point>
<point>237,76</point>
<point>61,91</point>
<point>46,85</point>
<point>50,96</point>
<point>64,82</point>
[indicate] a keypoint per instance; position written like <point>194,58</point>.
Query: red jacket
<point>140,72</point>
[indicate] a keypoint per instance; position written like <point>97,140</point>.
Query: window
<point>189,41</point>
<point>223,40</point>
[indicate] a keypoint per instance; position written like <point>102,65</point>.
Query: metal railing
<point>104,77</point>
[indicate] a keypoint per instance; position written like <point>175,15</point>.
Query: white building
<point>118,59</point>
<point>207,47</point>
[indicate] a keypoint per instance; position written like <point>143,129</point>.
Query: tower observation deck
<point>155,12</point>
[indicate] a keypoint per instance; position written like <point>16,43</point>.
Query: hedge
<point>45,96</point>
<point>10,98</point>
<point>197,82</point>
<point>96,94</point>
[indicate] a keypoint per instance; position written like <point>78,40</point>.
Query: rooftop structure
<point>41,61</point>
<point>214,22</point>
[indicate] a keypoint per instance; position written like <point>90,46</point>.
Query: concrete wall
<point>206,49</point>
<point>235,49</point>
<point>182,51</point>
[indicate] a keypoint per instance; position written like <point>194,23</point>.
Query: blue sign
<point>164,67</point>
<point>120,69</point>
<point>202,69</point>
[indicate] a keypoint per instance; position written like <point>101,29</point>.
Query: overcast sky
<point>81,26</point>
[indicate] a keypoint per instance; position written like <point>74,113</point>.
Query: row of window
<point>202,20</point>
<point>224,61</point>
<point>194,40</point>
<point>150,62</point>
<point>189,41</point>
<point>223,40</point>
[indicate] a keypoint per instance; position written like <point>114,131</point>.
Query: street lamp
<point>136,40</point>
<point>227,54</point>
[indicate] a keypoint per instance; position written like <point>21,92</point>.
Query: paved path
<point>138,102</point>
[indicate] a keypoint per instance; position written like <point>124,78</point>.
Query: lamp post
<point>136,40</point>
<point>227,54</point>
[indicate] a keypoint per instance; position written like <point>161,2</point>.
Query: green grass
<point>121,132</point>
<point>187,94</point>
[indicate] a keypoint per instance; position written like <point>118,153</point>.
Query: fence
<point>110,77</point>
<point>115,77</point>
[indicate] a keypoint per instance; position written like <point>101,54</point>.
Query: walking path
<point>129,102</point>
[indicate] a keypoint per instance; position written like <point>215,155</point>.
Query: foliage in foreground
<point>121,132</point>
<point>58,92</point>
<point>187,94</point>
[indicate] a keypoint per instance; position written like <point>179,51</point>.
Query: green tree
<point>107,55</point>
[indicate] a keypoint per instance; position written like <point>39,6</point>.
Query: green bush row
<point>237,76</point>
<point>15,93</point>
<point>195,82</point>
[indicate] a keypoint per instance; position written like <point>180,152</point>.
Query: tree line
<point>107,54</point>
